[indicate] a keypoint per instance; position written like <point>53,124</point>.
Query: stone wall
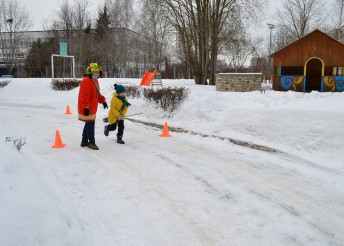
<point>238,82</point>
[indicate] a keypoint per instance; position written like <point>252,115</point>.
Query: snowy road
<point>183,190</point>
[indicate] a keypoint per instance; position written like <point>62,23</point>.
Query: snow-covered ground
<point>183,190</point>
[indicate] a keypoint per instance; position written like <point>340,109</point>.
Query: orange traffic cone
<point>165,131</point>
<point>68,110</point>
<point>58,141</point>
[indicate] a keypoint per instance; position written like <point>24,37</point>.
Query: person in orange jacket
<point>88,99</point>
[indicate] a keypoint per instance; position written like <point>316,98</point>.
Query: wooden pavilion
<point>314,62</point>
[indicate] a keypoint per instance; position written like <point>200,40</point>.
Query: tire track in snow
<point>278,191</point>
<point>243,144</point>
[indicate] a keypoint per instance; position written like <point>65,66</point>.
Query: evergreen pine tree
<point>103,24</point>
<point>87,30</point>
<point>39,57</point>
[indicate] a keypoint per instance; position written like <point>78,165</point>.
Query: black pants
<point>88,132</point>
<point>113,126</point>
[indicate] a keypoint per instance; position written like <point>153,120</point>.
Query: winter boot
<point>93,146</point>
<point>119,140</point>
<point>106,131</point>
<point>84,144</point>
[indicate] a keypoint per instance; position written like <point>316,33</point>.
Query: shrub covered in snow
<point>65,84</point>
<point>166,98</point>
<point>4,83</point>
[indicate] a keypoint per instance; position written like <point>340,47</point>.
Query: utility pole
<point>1,44</point>
<point>271,26</point>
<point>11,58</point>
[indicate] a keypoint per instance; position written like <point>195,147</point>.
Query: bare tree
<point>191,21</point>
<point>121,12</point>
<point>71,16</point>
<point>72,21</point>
<point>299,17</point>
<point>228,32</point>
<point>65,18</point>
<point>157,30</point>
<point>281,38</point>
<point>14,20</point>
<point>238,48</point>
<point>127,16</point>
<point>200,23</point>
<point>261,59</point>
<point>338,18</point>
<point>81,18</point>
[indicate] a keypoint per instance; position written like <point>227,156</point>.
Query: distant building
<point>22,48</point>
<point>137,51</point>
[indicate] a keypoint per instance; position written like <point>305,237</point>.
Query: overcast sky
<point>39,11</point>
<point>43,11</point>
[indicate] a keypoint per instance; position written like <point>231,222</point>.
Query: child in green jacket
<point>118,110</point>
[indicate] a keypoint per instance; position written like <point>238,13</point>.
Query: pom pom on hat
<point>119,88</point>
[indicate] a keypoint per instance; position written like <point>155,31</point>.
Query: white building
<point>21,42</point>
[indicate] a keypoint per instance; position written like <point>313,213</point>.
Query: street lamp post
<point>11,58</point>
<point>1,44</point>
<point>271,26</point>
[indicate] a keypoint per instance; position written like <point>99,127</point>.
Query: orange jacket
<point>89,97</point>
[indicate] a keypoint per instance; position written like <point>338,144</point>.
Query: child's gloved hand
<point>120,117</point>
<point>105,105</point>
